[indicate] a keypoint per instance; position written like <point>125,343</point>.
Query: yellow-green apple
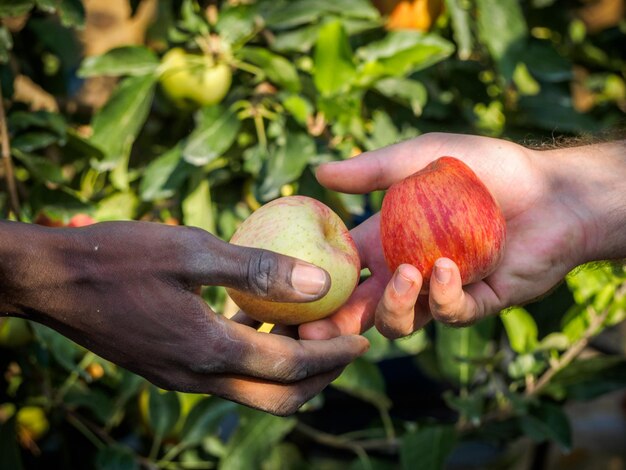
<point>195,78</point>
<point>307,229</point>
<point>443,210</point>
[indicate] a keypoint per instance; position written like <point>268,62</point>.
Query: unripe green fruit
<point>194,78</point>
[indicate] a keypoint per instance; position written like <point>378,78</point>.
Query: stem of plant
<point>597,320</point>
<point>7,163</point>
<point>73,377</point>
<point>260,130</point>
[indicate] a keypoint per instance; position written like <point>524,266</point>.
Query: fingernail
<point>308,279</point>
<point>442,272</point>
<point>401,284</point>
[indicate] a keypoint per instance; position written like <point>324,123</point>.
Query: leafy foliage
<point>313,81</point>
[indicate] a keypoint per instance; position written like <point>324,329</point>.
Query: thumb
<point>263,273</point>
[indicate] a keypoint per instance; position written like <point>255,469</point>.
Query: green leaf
<point>203,420</point>
<point>294,13</point>
<point>236,23</point>
<point>118,206</point>
<point>31,141</point>
<point>548,422</point>
<point>164,175</point>
<point>40,168</point>
<point>384,131</point>
<point>585,282</point>
<point>410,93</point>
<point>552,110</point>
<point>404,52</point>
<point>197,207</point>
<point>48,6</point>
<point>586,379</point>
<point>72,13</point>
<point>10,456</point>
<point>257,433</point>
<point>554,341</point>
<point>521,330</point>
<point>334,68</point>
<point>10,8</point>
<point>96,401</point>
<point>116,457</point>
<point>298,40</point>
<point>461,27</point>
<point>216,130</point>
<point>286,164</point>
<point>278,69</point>
<point>545,62</point>
<point>364,380</point>
<point>502,28</point>
<point>6,44</point>
<point>470,406</point>
<point>64,351</point>
<point>298,106</point>
<point>128,60</point>
<point>457,347</point>
<point>163,411</point>
<point>117,124</point>
<point>42,120</point>
<point>427,448</point>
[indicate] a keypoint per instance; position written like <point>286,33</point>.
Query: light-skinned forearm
<point>590,181</point>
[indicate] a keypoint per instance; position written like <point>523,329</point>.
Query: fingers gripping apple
<point>443,210</point>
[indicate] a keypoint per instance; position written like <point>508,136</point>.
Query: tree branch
<point>7,164</point>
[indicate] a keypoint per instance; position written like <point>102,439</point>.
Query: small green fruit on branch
<point>443,210</point>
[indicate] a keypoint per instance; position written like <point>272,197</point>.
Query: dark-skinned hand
<point>128,291</point>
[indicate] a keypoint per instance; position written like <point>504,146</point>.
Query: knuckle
<point>262,269</point>
<point>287,404</point>
<point>296,368</point>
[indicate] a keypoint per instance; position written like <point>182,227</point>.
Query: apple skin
<point>443,210</point>
<point>307,229</point>
<point>194,78</point>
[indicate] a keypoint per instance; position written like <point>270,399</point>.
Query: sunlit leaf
<point>462,27</point>
<point>127,60</point>
<point>197,207</point>
<point>521,330</point>
<point>286,164</point>
<point>334,66</point>
<point>502,28</point>
<point>278,69</point>
<point>164,175</point>
<point>406,51</point>
<point>118,206</point>
<point>216,130</point>
<point>117,124</point>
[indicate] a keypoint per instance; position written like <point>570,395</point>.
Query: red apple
<point>81,220</point>
<point>443,210</point>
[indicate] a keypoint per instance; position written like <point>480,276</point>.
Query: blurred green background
<point>197,113</point>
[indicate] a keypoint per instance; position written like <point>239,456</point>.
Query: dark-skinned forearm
<point>29,256</point>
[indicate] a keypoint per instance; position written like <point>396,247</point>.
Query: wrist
<point>29,255</point>
<point>589,184</point>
